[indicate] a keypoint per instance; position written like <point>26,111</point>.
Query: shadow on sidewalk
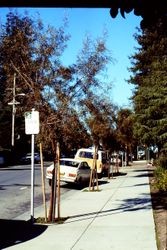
<point>144,173</point>
<point>14,232</point>
<point>127,205</point>
<point>114,174</point>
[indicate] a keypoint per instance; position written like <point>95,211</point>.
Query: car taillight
<point>71,175</point>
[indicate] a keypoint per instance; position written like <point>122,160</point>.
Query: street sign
<point>32,122</point>
<point>32,128</point>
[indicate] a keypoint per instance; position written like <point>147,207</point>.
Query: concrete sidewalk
<point>118,217</point>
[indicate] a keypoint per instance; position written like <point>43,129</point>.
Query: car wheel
<point>99,175</point>
<point>80,181</point>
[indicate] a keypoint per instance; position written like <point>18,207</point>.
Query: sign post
<point>32,128</point>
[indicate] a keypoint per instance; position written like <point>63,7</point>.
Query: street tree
<point>15,48</point>
<point>125,131</point>
<point>33,53</point>
<point>150,80</point>
<point>95,108</point>
<point>101,122</point>
<point>71,92</point>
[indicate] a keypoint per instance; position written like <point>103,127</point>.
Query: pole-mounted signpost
<point>32,128</point>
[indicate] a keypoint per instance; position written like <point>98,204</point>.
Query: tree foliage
<point>32,52</point>
<point>149,76</point>
<point>125,130</point>
<point>150,11</point>
<point>15,50</point>
<point>60,93</point>
<point>101,121</point>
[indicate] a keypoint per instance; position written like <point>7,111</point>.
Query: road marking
<point>22,188</point>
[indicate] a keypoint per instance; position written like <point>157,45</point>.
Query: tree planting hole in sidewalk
<point>41,220</point>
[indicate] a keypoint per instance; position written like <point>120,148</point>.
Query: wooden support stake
<point>43,182</point>
<point>94,176</point>
<point>58,179</point>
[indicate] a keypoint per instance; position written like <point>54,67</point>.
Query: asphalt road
<point>15,190</point>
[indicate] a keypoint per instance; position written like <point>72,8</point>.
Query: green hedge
<point>162,162</point>
<point>161,178</point>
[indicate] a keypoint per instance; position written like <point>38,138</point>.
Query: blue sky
<point>92,21</point>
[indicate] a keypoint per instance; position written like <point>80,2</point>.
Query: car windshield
<point>69,163</point>
<point>88,155</point>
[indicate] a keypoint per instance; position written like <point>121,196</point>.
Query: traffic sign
<point>32,122</point>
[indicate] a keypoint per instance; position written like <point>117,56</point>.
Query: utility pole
<point>14,110</point>
<point>13,103</point>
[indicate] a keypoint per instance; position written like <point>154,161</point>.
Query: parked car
<point>87,154</point>
<point>2,160</point>
<point>71,170</point>
<point>26,159</point>
<point>6,158</point>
